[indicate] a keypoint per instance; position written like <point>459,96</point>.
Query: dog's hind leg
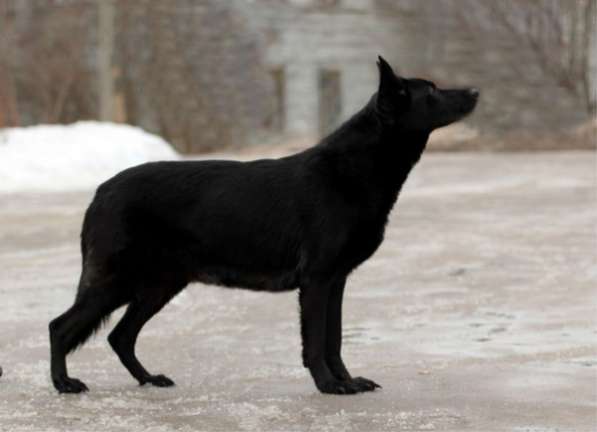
<point>73,328</point>
<point>124,336</point>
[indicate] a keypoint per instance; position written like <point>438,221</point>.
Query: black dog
<point>304,221</point>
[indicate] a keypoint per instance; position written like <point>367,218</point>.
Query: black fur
<point>304,221</point>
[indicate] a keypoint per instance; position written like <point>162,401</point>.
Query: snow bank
<point>76,156</point>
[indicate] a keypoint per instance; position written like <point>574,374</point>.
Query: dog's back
<point>230,223</point>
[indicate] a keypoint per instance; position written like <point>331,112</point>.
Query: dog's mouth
<point>470,101</point>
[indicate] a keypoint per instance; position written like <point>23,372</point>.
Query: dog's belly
<point>273,280</point>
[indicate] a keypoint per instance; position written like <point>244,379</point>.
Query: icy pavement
<point>478,313</point>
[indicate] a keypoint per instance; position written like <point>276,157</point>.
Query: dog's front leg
<point>334,339</point>
<point>333,342</point>
<point>314,299</point>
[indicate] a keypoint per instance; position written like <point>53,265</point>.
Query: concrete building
<point>320,58</point>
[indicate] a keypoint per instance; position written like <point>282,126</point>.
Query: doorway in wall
<point>276,118</point>
<point>330,100</point>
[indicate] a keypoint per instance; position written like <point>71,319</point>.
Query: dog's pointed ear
<point>385,70</point>
<point>392,95</point>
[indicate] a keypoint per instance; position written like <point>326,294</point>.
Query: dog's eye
<point>431,99</point>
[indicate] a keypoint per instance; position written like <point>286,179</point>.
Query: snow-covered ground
<point>73,157</point>
<point>478,313</point>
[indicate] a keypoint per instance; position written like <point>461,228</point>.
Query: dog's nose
<point>474,92</point>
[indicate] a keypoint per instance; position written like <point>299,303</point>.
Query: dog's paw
<point>69,385</point>
<point>352,386</point>
<point>338,387</point>
<point>158,381</point>
<point>365,384</point>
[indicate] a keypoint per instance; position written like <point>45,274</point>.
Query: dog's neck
<point>391,150</point>
<point>399,151</point>
<point>370,156</point>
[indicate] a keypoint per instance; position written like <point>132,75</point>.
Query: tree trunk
<point>104,54</point>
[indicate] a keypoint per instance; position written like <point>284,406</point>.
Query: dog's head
<point>417,104</point>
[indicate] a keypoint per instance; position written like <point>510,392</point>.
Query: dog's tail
<point>98,293</point>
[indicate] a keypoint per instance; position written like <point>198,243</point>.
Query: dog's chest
<point>364,237</point>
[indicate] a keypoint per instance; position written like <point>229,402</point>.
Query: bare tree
<point>104,55</point>
<point>44,72</point>
<point>559,33</point>
<point>191,71</point>
<point>9,114</point>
